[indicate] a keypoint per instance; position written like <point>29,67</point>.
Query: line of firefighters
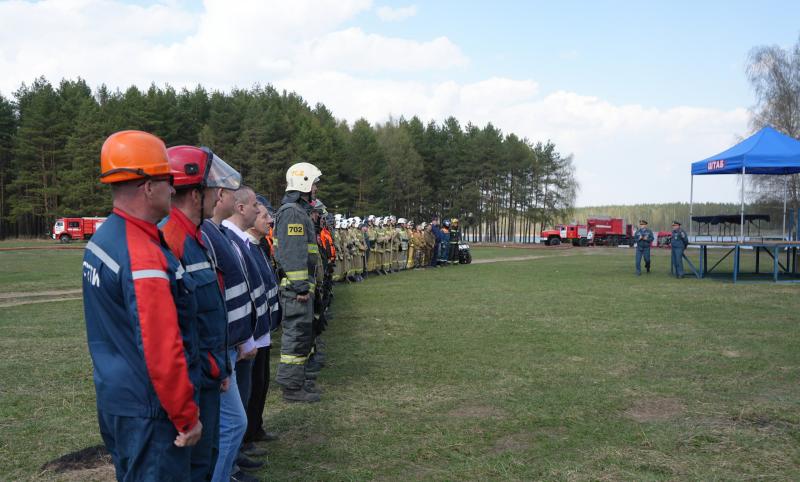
<point>183,286</point>
<point>386,244</point>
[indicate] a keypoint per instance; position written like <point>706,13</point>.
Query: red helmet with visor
<point>200,167</point>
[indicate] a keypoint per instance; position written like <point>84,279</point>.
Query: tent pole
<point>741,230</point>
<point>691,205</point>
<point>785,190</point>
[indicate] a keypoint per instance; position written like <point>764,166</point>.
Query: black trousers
<point>258,395</point>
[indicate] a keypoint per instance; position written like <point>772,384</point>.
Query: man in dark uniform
<point>455,240</point>
<point>643,238</point>
<point>678,242</point>
<point>198,175</point>
<point>296,254</point>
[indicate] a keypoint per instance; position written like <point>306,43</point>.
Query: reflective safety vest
<point>270,283</point>
<point>237,294</point>
<point>260,321</point>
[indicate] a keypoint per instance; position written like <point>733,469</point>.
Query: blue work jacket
<point>139,307</point>
<point>185,240</point>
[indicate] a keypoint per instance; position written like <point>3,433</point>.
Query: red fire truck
<point>577,234</point>
<point>598,231</point>
<point>68,229</point>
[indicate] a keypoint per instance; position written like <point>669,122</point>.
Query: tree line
<point>774,74</point>
<point>500,185</point>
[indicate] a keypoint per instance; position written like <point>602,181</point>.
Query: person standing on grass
<point>455,240</point>
<point>139,319</point>
<point>198,176</point>
<point>245,213</point>
<point>430,245</point>
<point>418,247</point>
<point>678,242</point>
<point>296,254</point>
<point>260,378</point>
<point>643,238</point>
<point>437,233</point>
<point>241,344</point>
<point>444,243</point>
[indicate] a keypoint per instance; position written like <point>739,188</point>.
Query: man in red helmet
<point>138,316</point>
<point>199,175</point>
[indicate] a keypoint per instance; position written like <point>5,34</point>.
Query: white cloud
<point>624,153</point>
<point>361,52</point>
<point>389,14</point>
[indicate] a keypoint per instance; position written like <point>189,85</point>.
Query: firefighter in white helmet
<point>296,254</point>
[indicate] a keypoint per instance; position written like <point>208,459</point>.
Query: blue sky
<point>634,91</point>
<point>654,53</point>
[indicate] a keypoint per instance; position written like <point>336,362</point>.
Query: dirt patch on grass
<point>9,304</point>
<point>766,420</point>
<point>731,353</point>
<point>512,258</point>
<point>89,464</point>
<point>598,251</point>
<point>655,409</point>
<point>34,294</point>
<point>476,411</point>
<point>32,297</point>
<point>515,443</point>
<point>98,474</point>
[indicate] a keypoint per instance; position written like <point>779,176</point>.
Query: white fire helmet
<point>301,176</point>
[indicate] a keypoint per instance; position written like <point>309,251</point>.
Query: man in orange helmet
<point>134,295</point>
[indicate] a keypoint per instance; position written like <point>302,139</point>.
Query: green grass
<point>40,270</point>
<point>34,242</point>
<point>561,368</point>
<point>497,253</point>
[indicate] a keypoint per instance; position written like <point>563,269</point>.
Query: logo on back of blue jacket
<point>90,273</point>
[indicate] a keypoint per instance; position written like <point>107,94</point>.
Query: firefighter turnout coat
<point>296,254</point>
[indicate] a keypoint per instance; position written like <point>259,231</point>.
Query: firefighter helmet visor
<point>222,175</point>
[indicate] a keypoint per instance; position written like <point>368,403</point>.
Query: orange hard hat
<point>128,155</point>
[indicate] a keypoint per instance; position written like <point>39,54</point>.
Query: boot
<point>300,396</point>
<point>311,387</point>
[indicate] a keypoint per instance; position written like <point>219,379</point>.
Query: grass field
<point>565,367</point>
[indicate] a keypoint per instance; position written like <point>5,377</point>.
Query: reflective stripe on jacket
<point>296,245</point>
<point>132,286</point>
<point>185,241</point>
<point>237,294</point>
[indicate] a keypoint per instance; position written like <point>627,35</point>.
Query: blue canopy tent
<point>765,152</point>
